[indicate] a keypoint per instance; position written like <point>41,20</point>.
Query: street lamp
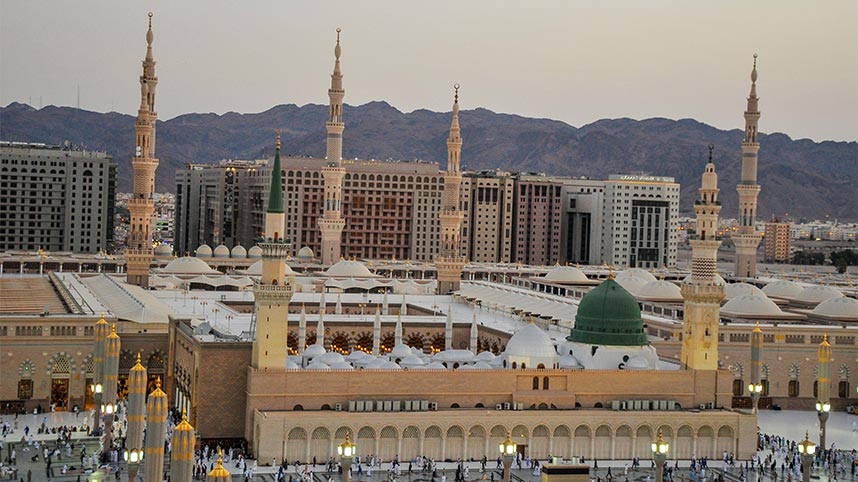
<point>806,448</point>
<point>96,389</point>
<point>822,409</point>
<point>346,451</point>
<point>755,389</point>
<point>508,450</point>
<point>133,457</point>
<point>107,409</point>
<point>660,447</point>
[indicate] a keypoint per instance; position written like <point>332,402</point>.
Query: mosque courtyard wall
<point>473,433</point>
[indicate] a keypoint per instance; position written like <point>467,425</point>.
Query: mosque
<point>293,353</point>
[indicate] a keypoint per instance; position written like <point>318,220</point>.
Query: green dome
<point>609,315</point>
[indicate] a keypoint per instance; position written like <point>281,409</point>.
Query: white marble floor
<point>792,424</point>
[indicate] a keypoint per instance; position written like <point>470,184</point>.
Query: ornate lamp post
<point>346,451</point>
<point>508,450</point>
<point>107,409</point>
<point>823,387</point>
<point>133,457</point>
<point>806,448</point>
<point>97,389</point>
<point>755,389</point>
<point>659,452</point>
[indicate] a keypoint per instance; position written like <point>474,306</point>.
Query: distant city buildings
<point>55,198</point>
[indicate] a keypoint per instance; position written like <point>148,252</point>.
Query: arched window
<point>793,380</point>
<point>545,383</point>
<point>536,383</point>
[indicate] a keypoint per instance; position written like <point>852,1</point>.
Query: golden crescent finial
<point>338,34</point>
<point>456,90</point>
<point>150,19</point>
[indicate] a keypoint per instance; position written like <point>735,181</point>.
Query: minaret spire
<point>449,263</point>
<point>331,223</point>
<point>139,254</point>
<point>703,292</point>
<point>747,239</point>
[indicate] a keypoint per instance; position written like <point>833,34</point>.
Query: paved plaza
<point>790,424</point>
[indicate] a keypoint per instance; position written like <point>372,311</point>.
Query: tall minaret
<point>449,262</point>
<point>747,238</point>
<point>273,293</point>
<point>331,223</point>
<point>139,253</point>
<point>703,292</point>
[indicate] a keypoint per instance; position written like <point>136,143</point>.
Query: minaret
<point>139,253</point>
<point>397,331</point>
<point>320,330</point>
<point>331,223</point>
<point>182,452</point>
<point>449,262</point>
<point>747,238</point>
<point>403,309</point>
<point>338,308</point>
<point>474,344</point>
<point>136,406</point>
<point>156,432</point>
<point>272,292</point>
<point>376,333</point>
<point>384,305</point>
<point>703,293</point>
<point>302,330</point>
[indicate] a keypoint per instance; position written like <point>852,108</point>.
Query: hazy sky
<point>576,61</point>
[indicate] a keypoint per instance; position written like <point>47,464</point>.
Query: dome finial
<point>277,132</point>
<point>149,36</point>
<point>711,148</point>
<point>611,272</point>
<point>754,70</point>
<point>338,50</point>
<point>456,95</point>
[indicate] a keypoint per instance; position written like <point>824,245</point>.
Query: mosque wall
<point>470,434</point>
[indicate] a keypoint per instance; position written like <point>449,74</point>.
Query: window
<point>843,389</point>
<point>25,389</point>
<point>738,387</point>
<point>536,383</point>
<point>545,383</point>
<point>793,388</point>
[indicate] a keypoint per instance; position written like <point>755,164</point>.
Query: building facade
<point>56,199</point>
<point>776,242</point>
<point>538,221</point>
<point>487,225</point>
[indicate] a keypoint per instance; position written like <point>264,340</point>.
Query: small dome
<point>254,252</point>
<point>204,251</point>
<point>346,268</point>
<point>411,361</point>
<point>733,290</point>
<point>660,290</point>
<point>751,306</point>
<point>530,341</point>
<point>341,365</point>
<point>317,365</point>
<point>455,356</point>
<point>188,265</point>
<point>291,365</point>
<point>608,315</point>
<point>330,358</point>
<point>163,250</point>
<point>435,366</point>
<point>305,254</point>
<point>390,366</point>
<point>818,294</point>
<point>783,289</point>
<point>841,308</point>
<point>314,350</point>
<point>400,351</point>
<point>238,252</point>
<point>221,252</point>
<point>635,273</point>
<point>356,356</point>
<point>485,356</point>
<point>565,275</point>
<point>632,284</point>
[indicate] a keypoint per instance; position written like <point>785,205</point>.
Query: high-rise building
<point>449,262</point>
<point>487,201</point>
<point>776,244</point>
<point>56,198</point>
<point>581,224</point>
<point>331,224</point>
<point>139,253</point>
<point>704,292</point>
<point>747,239</point>
<point>537,225</point>
<point>640,220</point>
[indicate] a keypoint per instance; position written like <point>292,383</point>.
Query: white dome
<point>331,357</point>
<point>819,293</point>
<point>841,308</point>
<point>341,365</point>
<point>291,365</point>
<point>254,252</point>
<point>204,251</point>
<point>221,252</point>
<point>400,351</point>
<point>635,273</point>
<point>435,366</point>
<point>485,356</point>
<point>317,365</point>
<point>751,306</point>
<point>530,341</point>
<point>783,289</point>
<point>238,252</point>
<point>455,356</point>
<point>733,290</point>
<point>314,350</point>
<point>163,250</point>
<point>188,265</point>
<point>569,362</point>
<point>305,254</point>
<point>390,366</point>
<point>565,274</point>
<point>632,284</point>
<point>411,361</point>
<point>660,290</point>
<point>356,356</point>
<point>476,366</point>
<point>349,269</point>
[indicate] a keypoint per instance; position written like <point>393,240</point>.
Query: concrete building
<point>640,221</point>
<point>777,242</point>
<point>582,221</point>
<point>487,226</point>
<point>56,199</point>
<point>747,239</point>
<point>538,222</point>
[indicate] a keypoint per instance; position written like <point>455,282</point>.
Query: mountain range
<point>798,176</point>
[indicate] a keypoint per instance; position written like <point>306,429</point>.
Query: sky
<point>574,61</point>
